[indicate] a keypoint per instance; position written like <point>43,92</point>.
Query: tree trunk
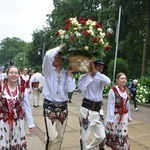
<point>145,49</point>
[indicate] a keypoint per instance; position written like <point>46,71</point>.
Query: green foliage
<point>34,57</point>
<point>106,89</point>
<point>77,76</point>
<point>143,91</point>
<point>121,66</point>
<point>12,51</point>
<point>132,30</point>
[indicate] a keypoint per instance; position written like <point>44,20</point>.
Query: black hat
<point>98,61</point>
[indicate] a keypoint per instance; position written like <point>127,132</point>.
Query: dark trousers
<point>70,95</point>
<point>134,100</point>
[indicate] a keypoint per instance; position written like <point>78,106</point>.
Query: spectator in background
<point>1,77</point>
<point>71,93</point>
<point>24,78</point>
<point>36,84</point>
<point>133,89</point>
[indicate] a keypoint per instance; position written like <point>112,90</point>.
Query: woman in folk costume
<point>118,115</point>
<point>24,78</point>
<point>14,107</point>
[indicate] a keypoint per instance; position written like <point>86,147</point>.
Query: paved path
<point>139,128</point>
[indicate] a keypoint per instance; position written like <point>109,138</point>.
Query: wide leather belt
<point>51,105</point>
<point>91,105</point>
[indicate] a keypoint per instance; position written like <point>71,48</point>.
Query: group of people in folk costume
<point>58,82</point>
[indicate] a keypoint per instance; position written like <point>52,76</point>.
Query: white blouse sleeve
<point>129,111</point>
<point>27,110</point>
<point>110,106</point>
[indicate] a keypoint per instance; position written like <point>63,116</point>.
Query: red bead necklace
<point>122,89</point>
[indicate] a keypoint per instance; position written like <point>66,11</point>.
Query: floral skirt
<point>12,137</point>
<point>117,134</point>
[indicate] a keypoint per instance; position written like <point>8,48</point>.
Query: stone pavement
<point>139,128</point>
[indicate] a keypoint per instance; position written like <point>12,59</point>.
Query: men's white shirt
<point>92,87</point>
<point>35,78</point>
<point>56,85</point>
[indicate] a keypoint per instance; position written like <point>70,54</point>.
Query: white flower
<point>143,100</point>
<point>102,34</point>
<point>77,33</point>
<point>86,48</point>
<point>99,29</point>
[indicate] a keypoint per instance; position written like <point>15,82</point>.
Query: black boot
<point>101,148</point>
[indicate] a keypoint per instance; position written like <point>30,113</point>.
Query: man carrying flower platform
<point>91,114</point>
<point>57,83</point>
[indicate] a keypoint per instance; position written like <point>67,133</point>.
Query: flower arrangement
<point>84,37</point>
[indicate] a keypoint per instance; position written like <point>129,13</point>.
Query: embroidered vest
<point>16,113</point>
<point>120,104</point>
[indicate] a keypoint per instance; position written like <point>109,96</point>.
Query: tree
<point>132,31</point>
<point>146,42</point>
<point>10,48</point>
<point>122,66</point>
<point>36,46</point>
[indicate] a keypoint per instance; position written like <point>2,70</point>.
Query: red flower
<point>98,25</point>
<point>57,33</point>
<point>85,32</point>
<point>67,27</point>
<point>72,38</point>
<point>82,21</point>
<point>68,22</point>
<point>107,47</point>
<point>109,34</point>
<point>95,40</point>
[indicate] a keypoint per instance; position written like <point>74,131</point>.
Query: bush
<point>143,91</point>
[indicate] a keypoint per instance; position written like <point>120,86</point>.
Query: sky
<point>19,18</point>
